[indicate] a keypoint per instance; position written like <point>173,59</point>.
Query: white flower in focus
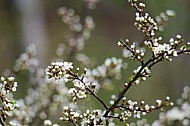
<point>81,94</point>
<point>75,114</point>
<point>11,78</point>
<point>72,91</point>
<point>59,70</point>
<point>175,53</point>
<point>79,84</point>
<point>68,65</point>
<point>158,102</point>
<point>161,48</point>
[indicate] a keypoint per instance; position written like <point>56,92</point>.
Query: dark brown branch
<point>126,88</point>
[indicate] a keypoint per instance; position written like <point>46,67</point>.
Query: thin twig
<point>92,93</point>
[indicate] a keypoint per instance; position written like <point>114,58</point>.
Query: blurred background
<point>23,22</point>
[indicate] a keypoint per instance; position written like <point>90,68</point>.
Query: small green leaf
<point>131,78</point>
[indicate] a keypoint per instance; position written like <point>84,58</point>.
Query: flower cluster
<point>77,93</point>
<point>146,24</point>
<point>88,80</point>
<point>129,107</point>
<point>173,49</point>
<point>70,115</point>
<point>92,117</point>
<point>180,114</point>
<point>53,93</point>
<point>94,79</point>
<point>59,70</point>
<point>63,71</point>
<point>7,86</point>
<point>161,48</point>
<point>132,51</point>
<point>102,75</point>
<point>88,118</point>
<point>143,74</point>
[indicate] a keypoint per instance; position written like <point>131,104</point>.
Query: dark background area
<point>114,20</point>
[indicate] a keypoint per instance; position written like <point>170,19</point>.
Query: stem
<point>92,93</point>
<point>101,101</point>
<point>2,121</point>
<point>126,88</point>
<point>74,123</point>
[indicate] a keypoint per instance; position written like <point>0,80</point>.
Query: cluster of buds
<point>179,114</point>
<point>132,51</point>
<point>77,93</point>
<point>152,43</point>
<point>90,117</point>
<point>146,24</point>
<point>80,86</point>
<point>139,6</point>
<point>63,71</point>
<point>54,95</point>
<point>59,70</point>
<point>173,49</point>
<point>90,80</point>
<point>70,115</point>
<point>7,85</point>
<point>143,74</point>
<point>129,107</point>
<point>177,47</point>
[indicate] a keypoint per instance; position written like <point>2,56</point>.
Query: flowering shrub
<point>56,91</point>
